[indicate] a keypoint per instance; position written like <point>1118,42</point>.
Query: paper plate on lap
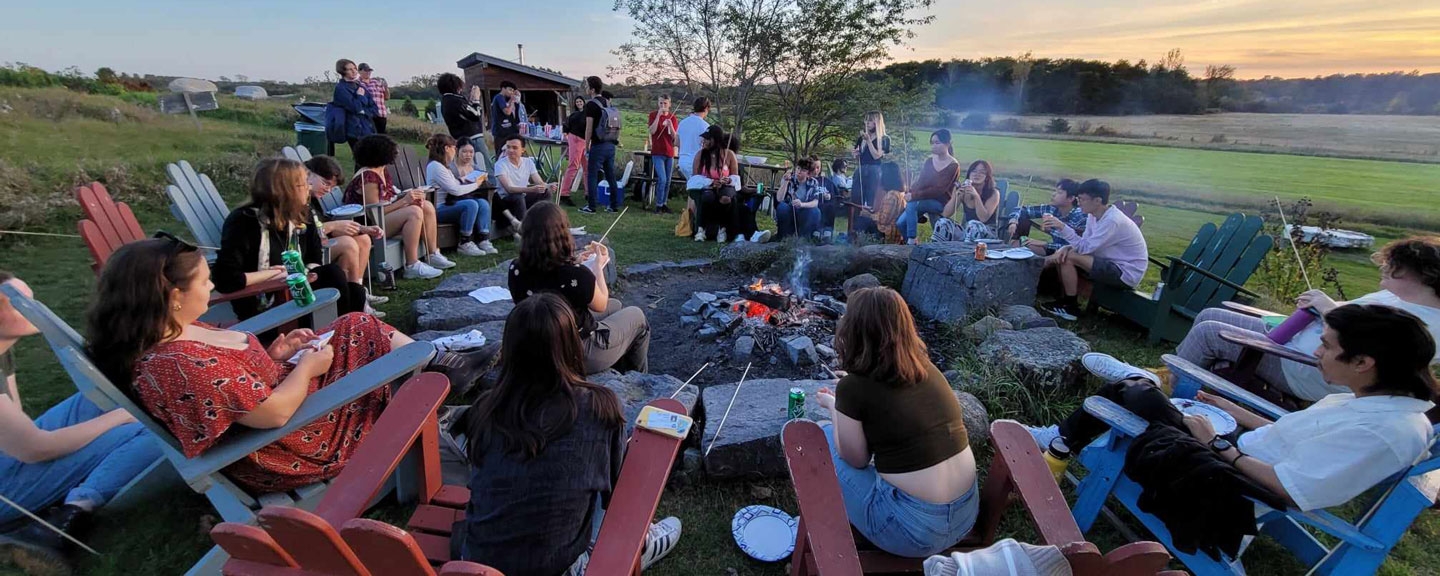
<point>346,211</point>
<point>764,533</point>
<point>1223,422</point>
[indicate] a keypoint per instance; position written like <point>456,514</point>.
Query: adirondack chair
<point>1131,208</point>
<point>1212,269</point>
<point>408,171</point>
<point>195,201</point>
<point>204,473</point>
<point>825,546</point>
<point>298,153</point>
<point>1361,547</point>
<point>335,540</point>
<point>108,225</point>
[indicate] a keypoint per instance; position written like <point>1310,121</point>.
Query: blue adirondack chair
<point>196,201</point>
<point>1362,546</point>
<point>204,473</point>
<point>1211,270</point>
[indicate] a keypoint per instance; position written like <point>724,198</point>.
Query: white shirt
<point>1306,382</point>
<point>1341,446</point>
<point>445,182</point>
<point>688,139</point>
<point>517,175</point>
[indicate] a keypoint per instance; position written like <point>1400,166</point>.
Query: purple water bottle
<point>1292,325</point>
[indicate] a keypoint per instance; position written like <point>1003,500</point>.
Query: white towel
<point>490,294</point>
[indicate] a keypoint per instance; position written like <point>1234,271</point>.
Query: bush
<point>946,118</point>
<point>1218,139</point>
<point>1057,126</point>
<point>408,108</point>
<point>1103,130</point>
<point>1010,125</point>
<point>430,108</point>
<point>977,121</point>
<point>1280,276</point>
<point>1083,127</point>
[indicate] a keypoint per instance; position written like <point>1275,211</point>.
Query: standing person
<point>602,134</point>
<point>660,141</point>
<point>1112,250</point>
<point>348,117</point>
<point>688,134</point>
<point>716,205</point>
<point>379,91</point>
<point>462,114</point>
<point>919,495</point>
<point>520,184</point>
<point>978,207</point>
<point>1063,206</point>
<point>63,465</point>
<point>871,148</point>
<point>455,201</point>
<point>797,203</point>
<point>546,446</point>
<point>574,129</point>
<point>407,214</point>
<point>349,242</point>
<point>506,114</point>
<point>931,191</point>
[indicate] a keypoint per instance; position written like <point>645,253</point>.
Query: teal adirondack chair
<point>1360,547</point>
<point>196,201</point>
<point>204,474</point>
<point>1212,269</point>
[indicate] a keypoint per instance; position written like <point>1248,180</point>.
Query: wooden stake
<point>687,382</point>
<point>1286,228</point>
<point>47,525</point>
<point>612,224</point>
<point>727,409</point>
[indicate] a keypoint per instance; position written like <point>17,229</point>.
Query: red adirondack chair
<point>825,546</point>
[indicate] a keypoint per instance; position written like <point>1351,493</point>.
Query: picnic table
<point>550,157</point>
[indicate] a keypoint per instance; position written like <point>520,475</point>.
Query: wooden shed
<point>546,94</point>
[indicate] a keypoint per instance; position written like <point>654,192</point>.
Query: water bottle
<point>1057,458</point>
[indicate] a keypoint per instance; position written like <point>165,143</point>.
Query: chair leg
<point>1105,464</point>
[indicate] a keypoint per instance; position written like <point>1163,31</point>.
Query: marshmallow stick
<point>48,525</point>
<point>612,224</point>
<point>1293,247</point>
<point>727,409</point>
<point>687,382</point>
<point>831,372</point>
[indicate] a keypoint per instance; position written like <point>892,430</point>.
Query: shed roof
<point>478,58</point>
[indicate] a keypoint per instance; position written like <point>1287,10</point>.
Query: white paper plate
<point>765,533</point>
<point>1018,254</point>
<point>1223,422</point>
<point>346,211</point>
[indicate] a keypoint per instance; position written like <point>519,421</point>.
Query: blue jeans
<point>909,222</point>
<point>95,473</point>
<point>466,213</point>
<point>787,217</point>
<point>602,157</point>
<point>869,183</point>
<point>664,167</point>
<point>897,522</point>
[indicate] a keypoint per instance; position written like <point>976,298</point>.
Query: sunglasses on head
<point>176,244</point>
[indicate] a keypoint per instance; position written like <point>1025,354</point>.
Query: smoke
<point>800,273</point>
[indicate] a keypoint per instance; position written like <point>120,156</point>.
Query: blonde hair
<point>879,120</point>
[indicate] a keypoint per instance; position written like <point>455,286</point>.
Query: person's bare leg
<point>362,256</point>
<point>431,230</point>
<point>346,254</point>
<point>1068,277</point>
<point>1082,261</point>
<point>398,339</point>
<point>406,222</point>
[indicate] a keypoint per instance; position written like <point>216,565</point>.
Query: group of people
<point>357,107</point>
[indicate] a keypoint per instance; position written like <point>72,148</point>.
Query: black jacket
<point>462,117</point>
<point>240,253</point>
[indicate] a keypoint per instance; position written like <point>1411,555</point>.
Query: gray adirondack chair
<point>297,153</point>
<point>196,201</point>
<point>204,473</point>
<point>408,171</point>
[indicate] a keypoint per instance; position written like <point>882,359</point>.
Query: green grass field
<point>44,152</point>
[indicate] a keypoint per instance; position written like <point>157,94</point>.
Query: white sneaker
<point>375,300</point>
<point>486,247</point>
<point>760,236</point>
<point>700,235</point>
<point>374,312</point>
<point>421,270</point>
<point>1044,436</point>
<point>661,539</point>
<point>470,249</point>
<point>439,260</point>
<point>721,236</point>
<point>1111,370</point>
<point>739,238</point>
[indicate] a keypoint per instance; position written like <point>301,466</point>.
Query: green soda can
<point>796,405</point>
<point>300,290</point>
<point>294,263</point>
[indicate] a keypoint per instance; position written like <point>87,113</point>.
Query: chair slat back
<point>107,225</point>
<point>332,199</point>
<point>251,544</point>
<point>304,153</point>
<point>385,549</point>
<point>648,459</point>
<point>406,171</point>
<point>312,543</point>
<point>199,202</point>
<point>290,153</point>
<point>822,506</point>
<point>1200,291</point>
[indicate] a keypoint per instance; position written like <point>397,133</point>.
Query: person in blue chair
<point>63,465</point>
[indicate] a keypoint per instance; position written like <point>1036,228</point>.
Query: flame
<point>760,286</point>
<point>754,309</point>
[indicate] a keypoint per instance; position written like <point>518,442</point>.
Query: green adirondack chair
<point>1212,269</point>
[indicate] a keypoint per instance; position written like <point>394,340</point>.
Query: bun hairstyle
<point>436,146</point>
<point>943,135</point>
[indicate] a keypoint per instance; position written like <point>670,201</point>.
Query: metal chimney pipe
<point>521,47</point>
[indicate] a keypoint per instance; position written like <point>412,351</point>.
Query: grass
<point>75,138</point>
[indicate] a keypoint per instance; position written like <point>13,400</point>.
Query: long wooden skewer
<point>727,409</point>
<point>612,224</point>
<point>1293,247</point>
<point>47,525</point>
<point>687,382</point>
<point>831,372</point>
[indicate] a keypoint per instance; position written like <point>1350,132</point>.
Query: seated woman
<point>919,495</point>
<point>932,190</point>
<point>837,185</point>
<point>278,218</point>
<point>978,207</point>
<point>1409,280</point>
<point>348,241</point>
<point>407,214</point>
<point>716,203</point>
<point>544,445</point>
<point>797,203</point>
<point>200,381</point>
<point>520,184</point>
<point>455,201</point>
<point>613,335</point>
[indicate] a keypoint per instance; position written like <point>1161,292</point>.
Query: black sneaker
<point>567,201</point>
<point>587,209</point>
<point>611,209</point>
<point>37,549</point>
<point>1063,311</point>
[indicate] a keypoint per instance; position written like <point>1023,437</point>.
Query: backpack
<point>609,128</point>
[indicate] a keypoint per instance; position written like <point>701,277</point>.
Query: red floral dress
<point>199,391</point>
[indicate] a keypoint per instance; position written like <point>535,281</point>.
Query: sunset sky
<point>292,40</point>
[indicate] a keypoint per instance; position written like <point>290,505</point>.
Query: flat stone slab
<point>749,445</point>
<point>653,267</point>
<point>459,312</point>
<point>945,282</point>
<point>492,330</point>
<point>635,389</point>
<point>462,284</point>
<point>1045,356</point>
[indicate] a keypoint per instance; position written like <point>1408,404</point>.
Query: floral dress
<point>198,391</point>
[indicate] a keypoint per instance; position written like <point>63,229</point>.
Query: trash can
<point>311,136</point>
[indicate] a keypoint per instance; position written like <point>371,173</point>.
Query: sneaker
<point>611,209</point>
<point>661,539</point>
<point>721,236</point>
<point>587,209</point>
<point>1063,312</point>
<point>567,201</point>
<point>421,270</point>
<point>438,260</point>
<point>486,247</point>
<point>37,549</point>
<point>760,236</point>
<point>739,238</point>
<point>373,312</point>
<point>470,249</point>
<point>1044,435</point>
<point>1109,369</point>
<point>516,237</point>
<point>700,235</point>
<point>375,300</point>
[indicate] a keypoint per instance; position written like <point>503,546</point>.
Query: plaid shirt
<point>1075,220</point>
<point>377,90</point>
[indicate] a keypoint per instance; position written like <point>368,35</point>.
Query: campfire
<point>768,317</point>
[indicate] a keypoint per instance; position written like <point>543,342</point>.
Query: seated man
<point>64,464</point>
<point>837,185</point>
<point>1112,249</point>
<point>1062,206</point>
<point>797,203</point>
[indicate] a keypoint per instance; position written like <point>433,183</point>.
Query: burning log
<point>778,302</point>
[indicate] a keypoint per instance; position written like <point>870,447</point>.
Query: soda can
<point>796,405</point>
<point>981,251</point>
<point>294,263</point>
<point>300,290</point>
<point>1159,290</point>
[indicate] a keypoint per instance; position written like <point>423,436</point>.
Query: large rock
<point>453,313</point>
<point>749,443</point>
<point>653,267</point>
<point>462,284</point>
<point>977,418</point>
<point>889,260</point>
<point>1017,314</point>
<point>945,282</point>
<point>984,327</point>
<point>1045,356</point>
<point>492,330</point>
<point>859,281</point>
<point>635,389</point>
<point>800,349</point>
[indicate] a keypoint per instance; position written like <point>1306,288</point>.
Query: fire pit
<point>766,317</point>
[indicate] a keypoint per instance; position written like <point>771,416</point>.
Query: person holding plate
<point>455,201</point>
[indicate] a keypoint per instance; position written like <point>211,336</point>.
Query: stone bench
<point>945,282</point>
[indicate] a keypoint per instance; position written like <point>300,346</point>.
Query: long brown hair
<point>542,374</point>
<point>436,146</point>
<point>131,311</point>
<point>987,188</point>
<point>876,338</point>
<point>272,193</point>
<point>545,242</point>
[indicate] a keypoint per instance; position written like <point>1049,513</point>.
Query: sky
<point>293,40</point>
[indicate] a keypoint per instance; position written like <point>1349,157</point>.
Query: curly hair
<point>545,242</point>
<point>449,83</point>
<point>1418,255</point>
<point>376,151</point>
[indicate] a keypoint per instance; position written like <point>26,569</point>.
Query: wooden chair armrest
<point>1247,309</point>
<point>324,306</point>
<point>1033,481</point>
<point>1183,368</point>
<point>1158,262</point>
<point>242,442</point>
<point>648,458</point>
<point>1119,419</point>
<point>1268,346</point>
<point>266,287</point>
<point>463,568</point>
<point>824,526</point>
<point>1181,265</point>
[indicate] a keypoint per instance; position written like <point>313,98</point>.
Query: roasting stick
<point>47,525</point>
<point>727,409</point>
<point>612,224</point>
<point>831,372</point>
<point>687,382</point>
<point>1286,227</point>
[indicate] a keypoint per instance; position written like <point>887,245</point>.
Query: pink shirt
<point>1114,237</point>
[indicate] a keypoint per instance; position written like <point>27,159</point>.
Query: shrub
<point>430,108</point>
<point>1103,130</point>
<point>1010,125</point>
<point>408,108</point>
<point>1083,127</point>
<point>1280,276</point>
<point>977,121</point>
<point>1058,126</point>
<point>945,118</point>
<point>1218,139</point>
